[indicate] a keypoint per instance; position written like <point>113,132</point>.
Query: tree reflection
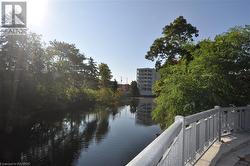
<point>58,138</point>
<point>103,126</point>
<point>51,140</point>
<point>133,104</point>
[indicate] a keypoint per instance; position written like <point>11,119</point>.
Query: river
<point>98,137</point>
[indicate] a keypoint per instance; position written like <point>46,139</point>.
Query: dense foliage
<point>172,45</point>
<point>36,76</point>
<point>217,74</point>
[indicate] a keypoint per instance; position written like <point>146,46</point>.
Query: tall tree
<point>67,62</point>
<point>114,86</point>
<point>105,75</point>
<point>92,73</point>
<point>92,68</point>
<point>21,64</point>
<point>171,47</point>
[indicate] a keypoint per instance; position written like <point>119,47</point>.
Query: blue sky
<point>120,32</point>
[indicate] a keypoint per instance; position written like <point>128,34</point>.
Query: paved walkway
<point>232,152</point>
<point>245,161</point>
<point>237,157</point>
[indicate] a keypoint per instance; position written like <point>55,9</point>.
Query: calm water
<point>98,137</point>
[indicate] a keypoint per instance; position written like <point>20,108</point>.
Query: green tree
<point>92,73</point>
<point>172,46</point>
<point>114,86</point>
<point>105,75</point>
<point>21,64</point>
<point>134,89</point>
<point>219,74</point>
<point>35,76</point>
<point>67,63</point>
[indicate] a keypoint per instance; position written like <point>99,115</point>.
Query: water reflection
<point>143,108</point>
<point>93,137</point>
<point>145,105</point>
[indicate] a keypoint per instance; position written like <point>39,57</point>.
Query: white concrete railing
<point>185,141</point>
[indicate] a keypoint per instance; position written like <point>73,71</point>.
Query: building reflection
<point>143,108</point>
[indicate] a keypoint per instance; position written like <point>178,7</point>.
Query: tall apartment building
<point>146,77</point>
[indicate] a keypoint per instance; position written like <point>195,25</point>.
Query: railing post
<point>182,119</point>
<point>219,127</point>
<point>246,115</point>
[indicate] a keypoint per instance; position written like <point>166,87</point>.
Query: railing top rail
<point>201,115</point>
<point>198,116</point>
<point>153,153</point>
<point>233,108</point>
